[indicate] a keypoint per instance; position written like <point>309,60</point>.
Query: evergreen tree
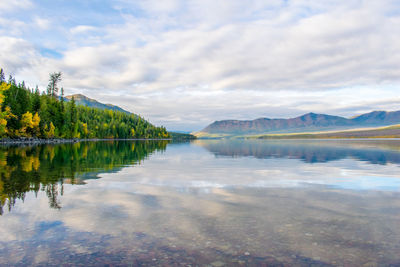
<point>62,99</point>
<point>54,79</point>
<point>36,101</point>
<point>25,112</point>
<point>2,76</point>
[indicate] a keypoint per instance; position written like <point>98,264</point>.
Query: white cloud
<point>82,29</point>
<point>11,27</point>
<point>323,51</point>
<point>179,48</point>
<point>16,53</point>
<point>42,23</point>
<point>7,5</point>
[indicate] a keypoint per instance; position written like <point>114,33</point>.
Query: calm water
<point>213,203</point>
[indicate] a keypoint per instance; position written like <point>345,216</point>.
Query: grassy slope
<point>381,132</point>
<point>205,135</point>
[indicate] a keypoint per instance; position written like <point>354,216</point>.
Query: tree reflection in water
<point>49,167</point>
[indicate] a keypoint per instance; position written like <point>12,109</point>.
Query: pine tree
<point>2,76</point>
<point>54,79</point>
<point>26,112</point>
<point>62,99</point>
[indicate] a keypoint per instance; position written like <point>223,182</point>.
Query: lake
<point>208,202</point>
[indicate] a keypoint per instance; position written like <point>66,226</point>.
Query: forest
<point>27,112</point>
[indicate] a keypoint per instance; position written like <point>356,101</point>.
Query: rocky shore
<point>40,141</point>
<point>35,141</point>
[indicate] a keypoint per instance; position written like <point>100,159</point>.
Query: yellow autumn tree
<point>49,132</point>
<point>3,121</point>
<point>3,125</point>
<point>35,124</point>
<point>3,87</point>
<point>6,115</point>
<point>85,130</point>
<point>26,124</point>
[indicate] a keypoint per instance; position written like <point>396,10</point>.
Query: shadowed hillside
<point>306,123</point>
<point>89,102</point>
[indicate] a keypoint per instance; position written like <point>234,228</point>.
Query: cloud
<point>192,49</point>
<point>7,6</point>
<point>16,54</point>
<point>322,51</point>
<point>11,27</point>
<point>42,23</point>
<point>82,29</point>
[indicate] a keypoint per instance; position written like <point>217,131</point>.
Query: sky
<point>184,64</point>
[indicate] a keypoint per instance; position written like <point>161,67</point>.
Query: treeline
<point>25,112</point>
<point>182,136</point>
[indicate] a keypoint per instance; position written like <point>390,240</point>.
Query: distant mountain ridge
<point>306,122</point>
<point>89,102</point>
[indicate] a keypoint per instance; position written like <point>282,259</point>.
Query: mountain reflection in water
<point>206,203</point>
<point>310,151</point>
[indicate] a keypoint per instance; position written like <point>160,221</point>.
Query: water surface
<point>209,202</point>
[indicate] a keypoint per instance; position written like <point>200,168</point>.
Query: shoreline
<point>40,141</point>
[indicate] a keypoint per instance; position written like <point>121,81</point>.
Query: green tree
<point>71,119</point>
<point>62,99</point>
<point>2,76</point>
<point>24,111</point>
<point>36,100</point>
<point>52,87</point>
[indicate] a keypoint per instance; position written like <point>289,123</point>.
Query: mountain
<point>378,118</point>
<point>306,123</point>
<point>86,101</point>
